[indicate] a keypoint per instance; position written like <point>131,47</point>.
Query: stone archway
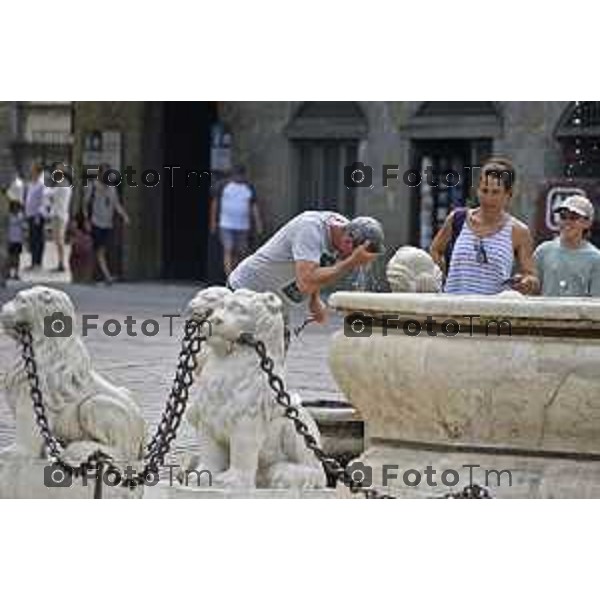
<point>325,138</point>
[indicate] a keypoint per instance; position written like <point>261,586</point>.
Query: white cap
<point>577,204</point>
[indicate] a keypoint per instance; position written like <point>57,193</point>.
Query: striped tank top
<point>481,265</point>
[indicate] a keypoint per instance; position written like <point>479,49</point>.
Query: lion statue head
<point>206,301</point>
<point>413,270</point>
<point>246,312</point>
<point>50,316</point>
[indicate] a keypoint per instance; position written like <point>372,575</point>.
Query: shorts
<point>15,249</point>
<point>100,237</point>
<point>234,240</point>
<point>59,227</point>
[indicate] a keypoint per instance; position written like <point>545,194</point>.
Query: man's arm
<point>212,214</point>
<point>121,210</point>
<point>258,224</point>
<point>310,277</point>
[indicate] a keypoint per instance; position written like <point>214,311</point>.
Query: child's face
<point>572,225</point>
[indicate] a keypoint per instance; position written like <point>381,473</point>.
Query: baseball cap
<point>577,204</point>
<point>367,229</point>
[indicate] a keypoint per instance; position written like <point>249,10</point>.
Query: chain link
<point>331,465</point>
<point>166,431</point>
<point>159,445</point>
<point>470,492</point>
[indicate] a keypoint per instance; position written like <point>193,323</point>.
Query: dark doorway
<point>320,176</point>
<point>186,144</point>
<point>433,198</point>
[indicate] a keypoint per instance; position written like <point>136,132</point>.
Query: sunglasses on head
<point>567,215</point>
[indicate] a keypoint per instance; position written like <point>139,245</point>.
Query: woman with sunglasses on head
<point>484,242</point>
<point>569,265</point>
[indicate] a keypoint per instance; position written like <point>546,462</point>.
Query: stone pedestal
<point>28,478</point>
<point>526,401</point>
<point>163,491</point>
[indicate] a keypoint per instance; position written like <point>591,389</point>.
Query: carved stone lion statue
<point>245,440</point>
<point>413,270</point>
<point>84,410</point>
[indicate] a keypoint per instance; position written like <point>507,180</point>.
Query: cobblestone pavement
<point>146,365</point>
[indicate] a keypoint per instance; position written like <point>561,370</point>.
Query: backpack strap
<point>458,220</point>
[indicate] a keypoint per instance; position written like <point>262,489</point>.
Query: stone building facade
<point>34,131</point>
<point>296,154</point>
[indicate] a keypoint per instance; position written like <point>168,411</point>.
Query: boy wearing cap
<point>569,265</point>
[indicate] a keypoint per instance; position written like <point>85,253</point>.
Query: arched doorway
<point>447,137</point>
<point>325,138</point>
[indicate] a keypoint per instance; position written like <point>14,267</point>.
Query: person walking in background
<point>102,201</point>
<point>569,265</point>
<point>59,196</point>
<point>485,240</point>
<point>81,257</point>
<point>36,213</point>
<point>15,236</point>
<point>232,210</point>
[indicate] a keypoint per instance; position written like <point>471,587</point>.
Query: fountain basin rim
<point>553,312</point>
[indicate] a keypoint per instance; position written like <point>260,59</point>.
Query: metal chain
<point>166,432</point>
<point>470,492</point>
<point>331,465</point>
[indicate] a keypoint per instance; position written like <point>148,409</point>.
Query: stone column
<point>140,126</point>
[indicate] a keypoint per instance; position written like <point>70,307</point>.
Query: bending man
<point>292,263</point>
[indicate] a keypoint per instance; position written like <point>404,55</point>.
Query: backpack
<point>458,220</point>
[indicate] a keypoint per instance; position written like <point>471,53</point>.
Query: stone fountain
<point>511,384</point>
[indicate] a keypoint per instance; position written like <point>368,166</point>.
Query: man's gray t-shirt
<point>272,267</point>
<point>101,201</point>
<point>568,271</point>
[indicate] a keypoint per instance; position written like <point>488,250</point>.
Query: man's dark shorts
<point>100,237</point>
<point>235,240</point>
